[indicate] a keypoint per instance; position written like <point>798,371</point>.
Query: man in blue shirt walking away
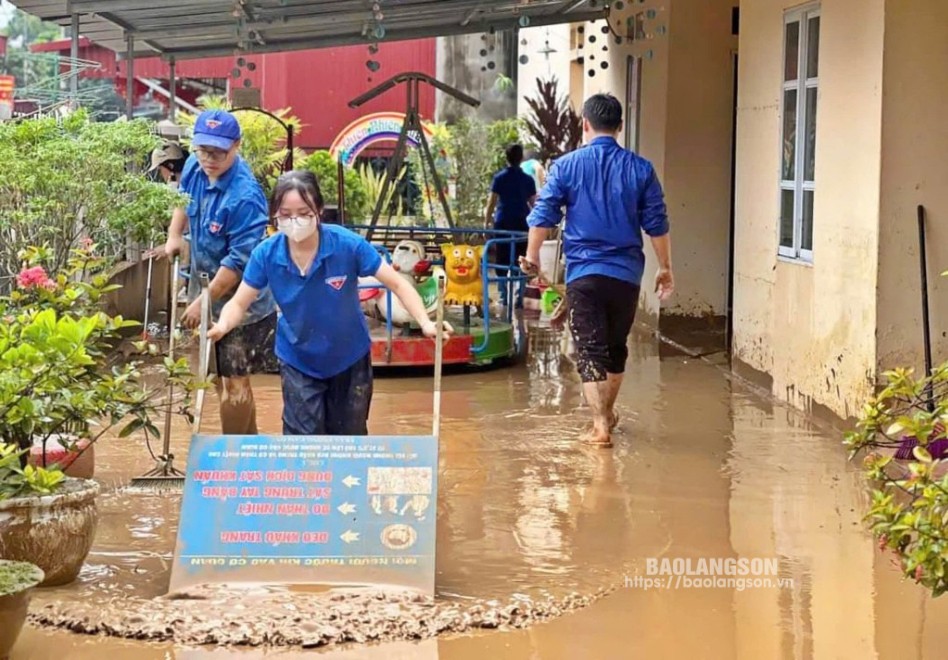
<point>611,196</point>
<point>512,193</point>
<point>227,217</point>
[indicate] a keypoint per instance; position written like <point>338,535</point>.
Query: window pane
<point>786,218</point>
<point>809,159</point>
<point>792,41</point>
<point>813,48</point>
<point>789,135</point>
<point>807,240</point>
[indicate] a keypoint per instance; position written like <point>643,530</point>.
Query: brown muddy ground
<point>703,467</point>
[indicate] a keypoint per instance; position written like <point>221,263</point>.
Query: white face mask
<point>298,229</point>
<point>173,185</point>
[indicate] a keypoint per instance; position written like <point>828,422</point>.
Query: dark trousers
<point>601,314</point>
<point>502,256</point>
<point>330,406</point>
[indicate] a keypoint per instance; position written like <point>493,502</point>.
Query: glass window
<point>799,103</point>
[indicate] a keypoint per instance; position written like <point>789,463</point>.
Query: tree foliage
<point>70,180</point>
<point>552,122</point>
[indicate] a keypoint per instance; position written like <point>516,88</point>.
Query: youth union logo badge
<point>336,282</point>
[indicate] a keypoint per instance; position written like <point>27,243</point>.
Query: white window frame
<point>798,184</point>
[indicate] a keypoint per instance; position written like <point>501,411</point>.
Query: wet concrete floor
<point>703,467</point>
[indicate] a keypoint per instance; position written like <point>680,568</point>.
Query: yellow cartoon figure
<point>462,264</point>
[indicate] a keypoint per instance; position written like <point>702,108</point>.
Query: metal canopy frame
<point>188,29</point>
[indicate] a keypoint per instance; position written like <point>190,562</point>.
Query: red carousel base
<point>418,351</point>
<point>414,350</point>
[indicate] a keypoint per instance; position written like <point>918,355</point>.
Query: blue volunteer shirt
<point>514,188</point>
<point>611,196</point>
<point>322,330</point>
<point>227,221</point>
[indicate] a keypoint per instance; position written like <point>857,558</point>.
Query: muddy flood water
<point>703,467</point>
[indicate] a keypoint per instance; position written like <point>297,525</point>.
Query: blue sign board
<point>309,510</point>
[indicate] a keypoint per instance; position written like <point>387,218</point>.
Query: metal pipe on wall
<point>172,90</point>
<point>74,56</point>
<point>130,76</point>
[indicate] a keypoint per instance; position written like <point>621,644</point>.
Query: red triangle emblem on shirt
<point>336,282</point>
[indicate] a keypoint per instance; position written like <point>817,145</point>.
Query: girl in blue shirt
<point>322,341</point>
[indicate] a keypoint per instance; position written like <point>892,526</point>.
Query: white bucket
<point>548,265</point>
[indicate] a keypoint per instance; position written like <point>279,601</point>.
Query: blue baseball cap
<point>215,128</point>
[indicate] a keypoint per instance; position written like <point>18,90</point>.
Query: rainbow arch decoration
<point>372,129</point>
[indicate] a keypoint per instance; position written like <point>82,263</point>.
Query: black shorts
<point>601,314</point>
<point>248,349</point>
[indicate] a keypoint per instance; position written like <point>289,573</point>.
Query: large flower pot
<point>17,580</point>
<point>54,532</point>
<point>79,463</point>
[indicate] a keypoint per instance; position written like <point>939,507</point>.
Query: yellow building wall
<point>914,171</point>
<point>810,327</point>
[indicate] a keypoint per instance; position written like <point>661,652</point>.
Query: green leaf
<point>922,454</point>
<point>896,428</point>
<point>132,427</point>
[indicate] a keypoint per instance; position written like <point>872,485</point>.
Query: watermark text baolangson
<point>738,573</point>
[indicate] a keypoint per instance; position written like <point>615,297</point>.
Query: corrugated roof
<point>203,28</point>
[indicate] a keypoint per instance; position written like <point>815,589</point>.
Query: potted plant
<point>59,382</point>
<point>17,580</point>
<point>901,436</point>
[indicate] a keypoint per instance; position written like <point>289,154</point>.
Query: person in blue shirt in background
<point>611,196</point>
<point>322,340</point>
<point>227,219</point>
<point>512,193</point>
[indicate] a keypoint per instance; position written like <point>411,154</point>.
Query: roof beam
<point>120,6</point>
<point>158,27</point>
<point>231,28</point>
<point>393,35</point>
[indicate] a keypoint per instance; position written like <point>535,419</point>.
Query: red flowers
<point>34,277</point>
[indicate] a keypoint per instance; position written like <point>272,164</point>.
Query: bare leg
<point>597,396</point>
<point>613,384</point>
<point>238,409</point>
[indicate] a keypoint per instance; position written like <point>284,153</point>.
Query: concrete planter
<point>54,532</point>
<point>17,580</point>
<point>79,463</point>
<point>129,301</point>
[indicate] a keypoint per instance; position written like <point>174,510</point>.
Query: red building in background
<point>316,84</point>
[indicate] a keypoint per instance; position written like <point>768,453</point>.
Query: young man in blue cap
<point>227,217</point>
<point>611,197</point>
